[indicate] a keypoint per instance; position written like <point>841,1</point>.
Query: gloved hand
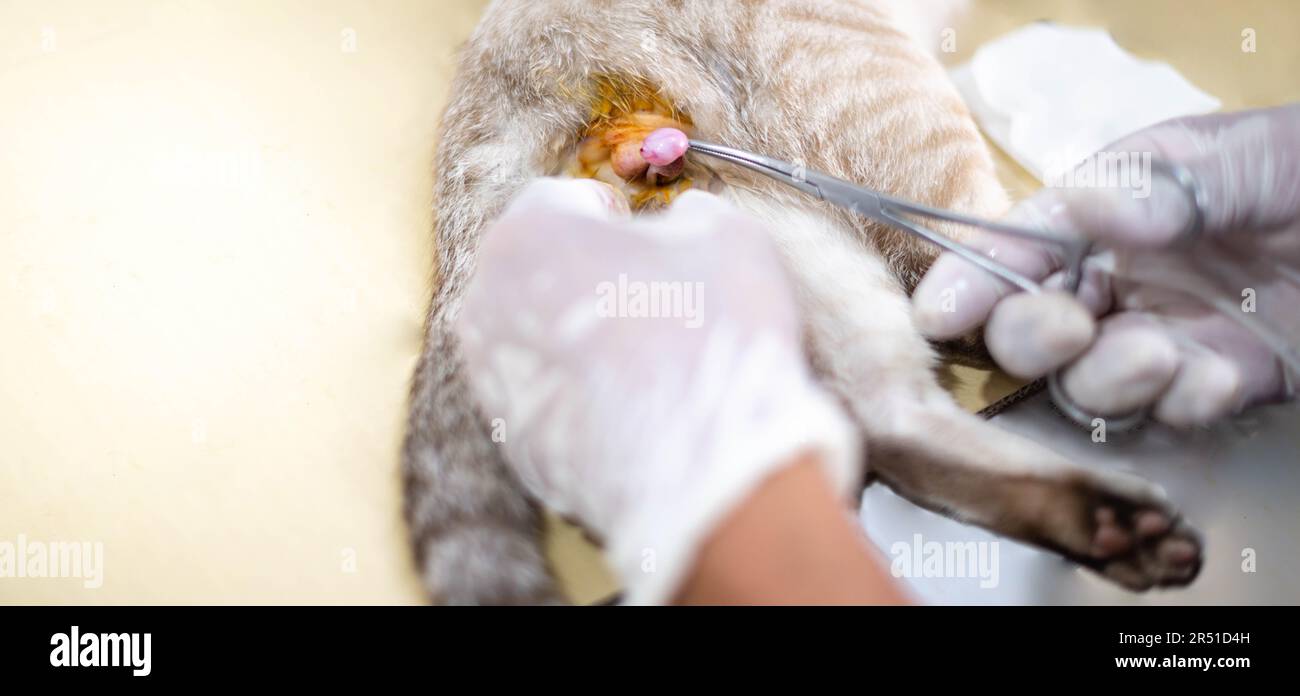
<point>1155,347</point>
<point>649,373</point>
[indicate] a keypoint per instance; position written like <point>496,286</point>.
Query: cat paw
<point>1134,536</point>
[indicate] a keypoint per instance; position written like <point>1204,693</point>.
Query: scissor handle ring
<point>1076,413</point>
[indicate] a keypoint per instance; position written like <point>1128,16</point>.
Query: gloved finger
<point>1032,334</point>
<point>1095,292</point>
<point>694,217</point>
<point>1245,163</point>
<point>1206,388</point>
<point>694,212</point>
<point>1118,216</point>
<point>537,247</point>
<point>1129,366</point>
<point>585,198</point>
<point>616,203</point>
<point>548,223</point>
<point>956,296</point>
<point>732,241</point>
<point>747,279</point>
<point>695,201</point>
<point>1256,370</point>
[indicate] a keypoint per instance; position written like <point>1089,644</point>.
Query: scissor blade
<point>780,170</point>
<point>894,212</point>
<point>824,186</point>
<point>849,196</point>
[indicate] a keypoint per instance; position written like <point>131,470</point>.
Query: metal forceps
<point>901,214</point>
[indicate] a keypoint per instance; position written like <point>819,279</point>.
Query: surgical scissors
<point>892,211</point>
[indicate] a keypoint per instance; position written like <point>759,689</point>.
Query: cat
<point>842,86</point>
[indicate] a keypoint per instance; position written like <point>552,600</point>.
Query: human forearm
<point>790,542</point>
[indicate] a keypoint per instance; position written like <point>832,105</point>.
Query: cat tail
<point>477,534</point>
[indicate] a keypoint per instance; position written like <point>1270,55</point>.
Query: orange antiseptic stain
<point>624,112</point>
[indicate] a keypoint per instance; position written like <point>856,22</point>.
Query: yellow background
<point>215,256</point>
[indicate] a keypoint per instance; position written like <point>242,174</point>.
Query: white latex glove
<point>1155,347</point>
<point>646,430</point>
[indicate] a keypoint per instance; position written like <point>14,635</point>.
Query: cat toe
<point>1145,548</point>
